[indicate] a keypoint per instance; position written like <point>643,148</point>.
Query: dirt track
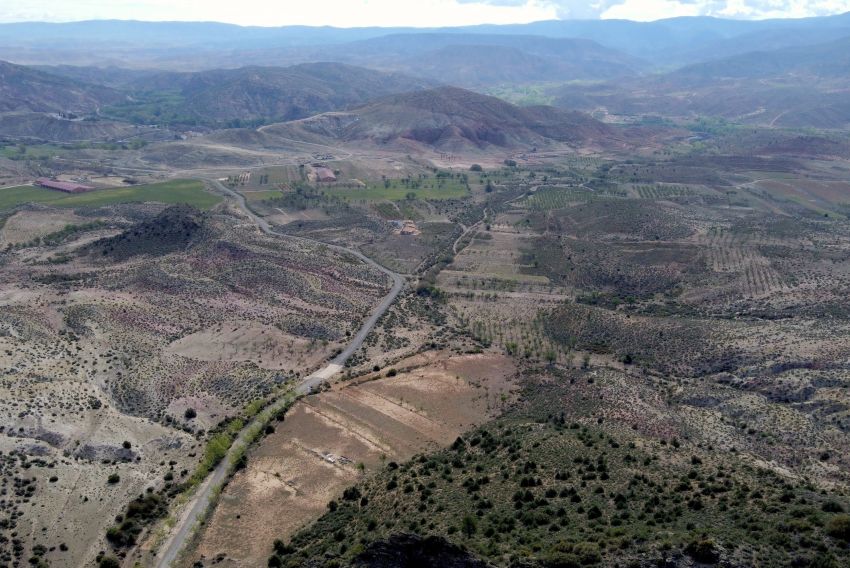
<point>197,506</point>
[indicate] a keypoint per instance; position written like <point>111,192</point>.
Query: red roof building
<point>325,174</point>
<point>66,186</point>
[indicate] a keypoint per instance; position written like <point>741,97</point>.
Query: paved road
<point>200,502</point>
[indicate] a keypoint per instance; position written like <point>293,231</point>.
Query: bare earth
<point>315,453</point>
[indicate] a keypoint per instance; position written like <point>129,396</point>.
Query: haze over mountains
<point>773,72</point>
<point>674,41</point>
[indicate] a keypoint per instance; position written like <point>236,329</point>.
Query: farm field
<point>331,440</point>
<point>429,188</point>
<point>261,194</point>
<point>190,192</point>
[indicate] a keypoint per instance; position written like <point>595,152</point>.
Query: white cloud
<point>649,10</point>
<point>342,13</point>
<point>743,9</point>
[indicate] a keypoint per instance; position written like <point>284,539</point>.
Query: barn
<point>66,186</point>
<point>324,174</point>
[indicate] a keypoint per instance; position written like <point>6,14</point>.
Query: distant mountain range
<point>204,45</point>
<point>793,73</point>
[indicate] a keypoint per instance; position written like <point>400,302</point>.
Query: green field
<point>22,151</point>
<point>397,190</point>
<point>177,191</point>
<point>262,194</point>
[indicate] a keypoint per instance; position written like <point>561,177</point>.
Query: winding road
<point>197,506</point>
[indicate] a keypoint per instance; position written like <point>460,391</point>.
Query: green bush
<point>839,527</point>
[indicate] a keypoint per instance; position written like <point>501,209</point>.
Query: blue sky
<point>352,13</point>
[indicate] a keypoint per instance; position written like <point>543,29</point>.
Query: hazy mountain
<point>288,93</point>
<point>25,89</point>
<point>204,45</point>
<point>820,61</point>
<point>479,59</point>
<point>237,96</point>
<point>803,86</point>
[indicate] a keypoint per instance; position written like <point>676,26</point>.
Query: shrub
<point>109,562</point>
<point>113,478</point>
<point>703,551</point>
<point>587,552</point>
<point>190,413</point>
<point>561,560</point>
<point>351,494</point>
<point>832,507</point>
<point>839,527</point>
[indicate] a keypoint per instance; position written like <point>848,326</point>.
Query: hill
<point>450,119</point>
<point>533,490</point>
<point>31,90</point>
<point>254,95</point>
<point>822,61</point>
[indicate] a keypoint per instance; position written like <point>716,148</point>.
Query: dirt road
<point>200,502</point>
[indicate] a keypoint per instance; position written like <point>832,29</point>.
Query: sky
<point>417,13</point>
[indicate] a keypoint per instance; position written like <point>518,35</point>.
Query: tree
<point>469,525</point>
<point>190,413</point>
<point>109,562</point>
<point>476,168</point>
<point>839,527</point>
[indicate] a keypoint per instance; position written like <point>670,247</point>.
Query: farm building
<point>324,174</point>
<point>66,186</point>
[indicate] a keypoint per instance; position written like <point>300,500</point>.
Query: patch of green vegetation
<point>523,95</point>
<point>155,107</point>
<point>26,152</point>
<point>547,493</point>
<point>167,107</point>
<point>187,191</point>
<point>549,198</point>
<point>141,511</point>
<point>261,195</point>
<point>443,185</point>
<point>43,152</point>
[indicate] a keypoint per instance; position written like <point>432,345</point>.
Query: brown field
<point>24,226</point>
<point>318,450</point>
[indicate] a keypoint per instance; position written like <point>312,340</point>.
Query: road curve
<point>200,502</point>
